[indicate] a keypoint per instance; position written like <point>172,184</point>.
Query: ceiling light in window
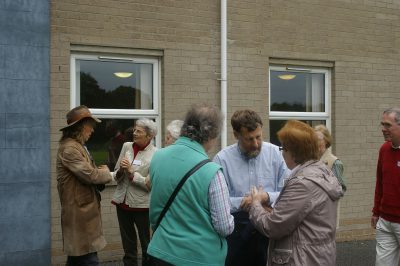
<point>287,76</point>
<point>123,74</point>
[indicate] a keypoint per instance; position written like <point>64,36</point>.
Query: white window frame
<point>326,115</point>
<point>120,113</point>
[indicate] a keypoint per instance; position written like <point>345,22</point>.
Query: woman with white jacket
<point>131,196</point>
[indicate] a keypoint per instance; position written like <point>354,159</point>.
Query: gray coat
<point>302,225</point>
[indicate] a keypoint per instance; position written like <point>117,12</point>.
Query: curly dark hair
<point>202,123</point>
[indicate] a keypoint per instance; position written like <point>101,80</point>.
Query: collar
<point>191,143</point>
<point>393,146</point>
<point>138,148</point>
<point>295,168</point>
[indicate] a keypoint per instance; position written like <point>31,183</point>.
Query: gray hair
<point>174,128</point>
<point>325,132</point>
<point>394,110</point>
<point>149,125</point>
<point>202,123</point>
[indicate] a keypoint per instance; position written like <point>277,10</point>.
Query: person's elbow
<point>225,231</point>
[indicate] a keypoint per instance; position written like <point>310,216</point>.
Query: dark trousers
<point>90,259</point>
<point>246,246</point>
<point>127,221</point>
<point>153,261</point>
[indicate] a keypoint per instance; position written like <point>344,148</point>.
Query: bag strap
<point>178,187</point>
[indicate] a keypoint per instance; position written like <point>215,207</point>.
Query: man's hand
<point>374,220</point>
<point>256,195</point>
<point>105,167</point>
<point>260,195</point>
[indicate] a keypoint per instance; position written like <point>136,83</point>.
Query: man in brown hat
<point>78,180</point>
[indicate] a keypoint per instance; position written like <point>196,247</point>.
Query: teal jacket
<point>186,235</point>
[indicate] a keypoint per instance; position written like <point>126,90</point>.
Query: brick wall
<point>360,38</point>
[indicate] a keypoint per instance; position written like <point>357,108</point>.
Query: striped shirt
<point>218,197</point>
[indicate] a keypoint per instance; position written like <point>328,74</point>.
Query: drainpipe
<point>223,72</point>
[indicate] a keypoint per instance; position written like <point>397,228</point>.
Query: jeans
<point>387,243</point>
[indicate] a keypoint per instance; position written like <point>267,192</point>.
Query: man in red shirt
<point>386,212</point>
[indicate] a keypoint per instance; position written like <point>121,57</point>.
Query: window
<point>118,90</point>
<point>298,93</point>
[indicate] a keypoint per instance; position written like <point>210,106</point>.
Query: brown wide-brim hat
<point>77,114</point>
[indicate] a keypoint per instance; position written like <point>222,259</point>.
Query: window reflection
<point>115,85</point>
<point>106,142</point>
<point>297,91</point>
<point>276,125</point>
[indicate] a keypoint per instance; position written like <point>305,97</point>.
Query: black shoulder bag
<point>178,187</point>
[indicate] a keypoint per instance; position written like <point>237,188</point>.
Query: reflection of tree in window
<point>286,107</point>
<point>115,142</point>
<point>276,125</point>
<point>304,92</point>
<point>99,143</point>
<point>122,97</point>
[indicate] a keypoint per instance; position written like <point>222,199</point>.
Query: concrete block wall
<point>359,38</point>
<point>24,133</point>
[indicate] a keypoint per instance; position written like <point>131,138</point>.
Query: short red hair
<point>300,140</point>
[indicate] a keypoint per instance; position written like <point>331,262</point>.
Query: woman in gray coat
<point>302,224</point>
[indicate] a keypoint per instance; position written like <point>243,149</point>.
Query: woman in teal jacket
<point>193,229</point>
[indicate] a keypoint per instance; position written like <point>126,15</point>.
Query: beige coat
<point>135,191</point>
<point>80,201</point>
<point>302,225</point>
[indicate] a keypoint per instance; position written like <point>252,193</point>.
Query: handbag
<point>178,187</point>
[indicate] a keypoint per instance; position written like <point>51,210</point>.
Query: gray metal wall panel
<point>2,127</point>
<point>31,94</point>
<point>24,133</point>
